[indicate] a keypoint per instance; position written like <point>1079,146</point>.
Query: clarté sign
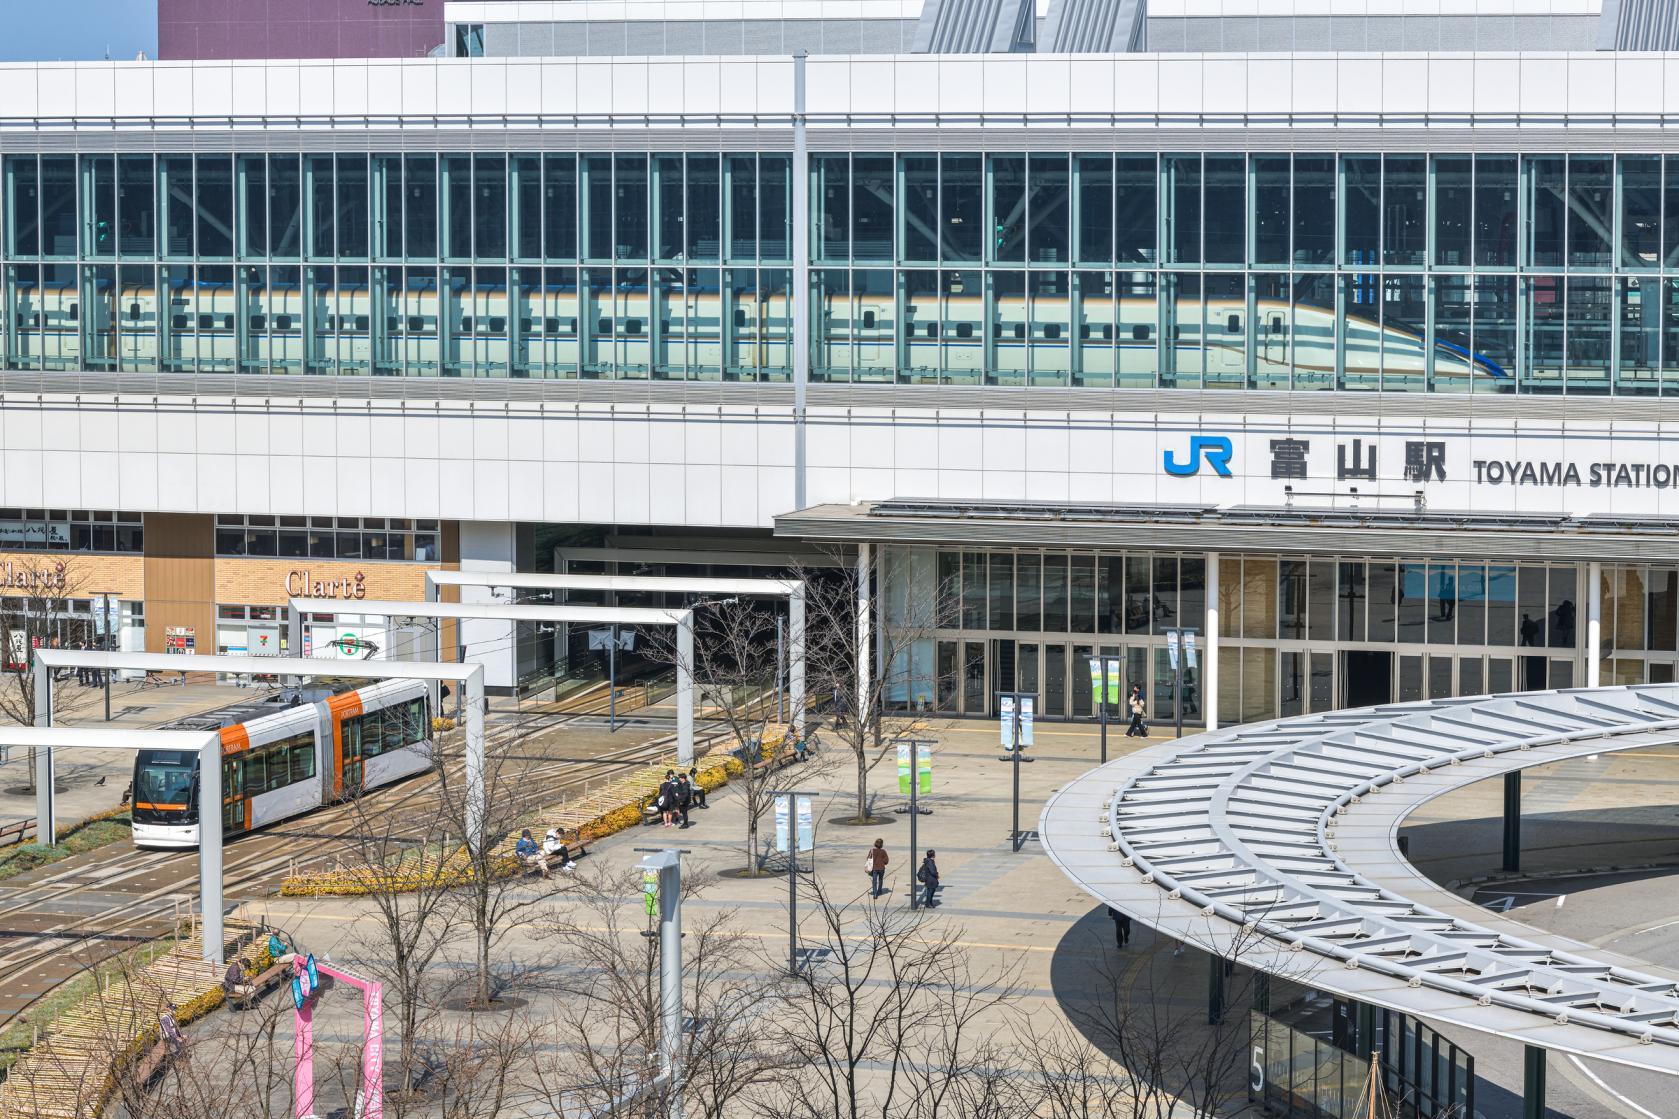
<point>300,585</point>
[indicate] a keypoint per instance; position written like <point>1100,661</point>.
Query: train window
<point>526,325</point>
<point>362,323</point>
<point>1052,331</point>
<point>35,320</point>
<point>330,323</point>
<point>868,320</point>
<point>259,322</point>
<point>178,322</point>
<point>604,328</point>
<point>964,330</point>
<point>206,322</point>
<point>392,324</point>
<point>466,324</point>
<point>415,324</point>
<point>497,324</point>
<point>1140,333</point>
<point>134,311</point>
<point>932,330</point>
<point>1107,332</point>
<point>740,316</point>
<point>1233,324</point>
<point>573,327</point>
<point>632,327</point>
<point>227,322</point>
<point>550,326</point>
<point>282,322</point>
<point>1020,330</point>
<point>1177,332</point>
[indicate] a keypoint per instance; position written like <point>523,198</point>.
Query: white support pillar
<point>489,546</point>
<point>685,688</point>
<point>45,798</point>
<point>796,659</point>
<point>1594,625</point>
<point>473,716</point>
<point>865,644</point>
<point>210,847</point>
<point>433,595</point>
<point>1209,667</point>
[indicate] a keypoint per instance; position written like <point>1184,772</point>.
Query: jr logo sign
<point>1216,449</point>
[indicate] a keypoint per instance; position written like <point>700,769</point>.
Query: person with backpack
<point>875,862</point>
<point>684,797</point>
<point>928,876</point>
<point>1139,712</point>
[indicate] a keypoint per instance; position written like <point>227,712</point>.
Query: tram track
<point>45,940</point>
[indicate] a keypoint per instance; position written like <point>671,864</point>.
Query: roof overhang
<point>1239,528</point>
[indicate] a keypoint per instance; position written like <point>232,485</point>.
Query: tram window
<point>331,323</point>
<point>302,761</point>
<point>392,324</point>
<point>35,320</point>
<point>256,775</point>
<point>282,322</point>
<point>1020,330</point>
<point>1233,324</point>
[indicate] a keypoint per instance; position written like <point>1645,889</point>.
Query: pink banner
<point>370,1101</point>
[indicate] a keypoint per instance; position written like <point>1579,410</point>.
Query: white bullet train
<point>282,765</point>
<point>629,330</point>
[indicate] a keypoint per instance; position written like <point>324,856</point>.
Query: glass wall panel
<point>1361,201</point>
<point>136,206</point>
<point>961,207</point>
<point>214,204</point>
<point>1641,210</point>
<point>489,207</point>
<point>1094,235</point>
<point>1454,179</point>
<point>99,205</point>
<point>1270,209</point>
<point>775,207</point>
<point>1546,210</point>
<point>559,207</point>
<point>667,199</point>
<point>1591,211</point>
<point>1182,217</point>
<point>1008,207</point>
<point>629,207</point>
<point>1050,330</point>
<point>1049,209</point>
<point>1314,209</point>
<point>1136,194</point>
<point>58,206</point>
<point>1639,334</point>
<point>872,207</point>
<point>1495,211</point>
<point>1404,211</point>
<point>1225,206</point>
<point>920,233</point>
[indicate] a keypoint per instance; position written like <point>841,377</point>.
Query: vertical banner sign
<point>1189,650</point>
<point>1097,667</point>
<point>924,769</point>
<point>782,812</point>
<point>650,891</point>
<point>1116,693</point>
<point>1006,707</point>
<point>1172,648</point>
<point>805,821</point>
<point>903,769</point>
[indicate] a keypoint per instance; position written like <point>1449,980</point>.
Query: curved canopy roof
<point>1276,844</point>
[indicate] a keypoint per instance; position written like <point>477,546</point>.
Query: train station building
<point>1345,339</point>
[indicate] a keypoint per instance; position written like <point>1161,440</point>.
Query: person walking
<point>1122,927</point>
<point>1139,712</point>
<point>876,864</point>
<point>684,797</point>
<point>928,876</point>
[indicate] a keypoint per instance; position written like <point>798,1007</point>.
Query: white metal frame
<point>793,590</point>
<point>470,677</point>
<point>208,747</point>
<point>1265,842</point>
<point>682,620</point>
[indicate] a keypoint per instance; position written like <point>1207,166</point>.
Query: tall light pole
<point>1105,674</point>
<point>791,808</point>
<point>914,746</point>
<point>662,870</point>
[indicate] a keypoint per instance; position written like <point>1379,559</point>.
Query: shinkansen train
<point>627,329</point>
<point>282,765</point>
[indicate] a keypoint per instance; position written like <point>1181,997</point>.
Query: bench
<point>13,834</point>
<point>244,995</point>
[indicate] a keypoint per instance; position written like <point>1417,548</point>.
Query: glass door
<point>352,756</point>
<point>976,698</point>
<point>1055,681</point>
<point>233,798</point>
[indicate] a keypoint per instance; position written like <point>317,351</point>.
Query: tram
<point>288,763</point>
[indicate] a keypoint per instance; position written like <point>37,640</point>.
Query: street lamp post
<point>792,841</point>
<point>665,865</point>
<point>1017,709</point>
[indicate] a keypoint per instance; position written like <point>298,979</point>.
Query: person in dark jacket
<point>1139,712</point>
<point>928,876</point>
<point>684,797</point>
<point>667,798</point>
<point>1122,927</point>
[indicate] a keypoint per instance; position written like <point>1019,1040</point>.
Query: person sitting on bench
<point>553,844</point>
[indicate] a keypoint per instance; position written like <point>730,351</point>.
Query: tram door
<point>352,755</point>
<point>233,797</point>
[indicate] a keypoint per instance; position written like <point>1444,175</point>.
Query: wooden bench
<point>13,834</point>
<point>245,994</point>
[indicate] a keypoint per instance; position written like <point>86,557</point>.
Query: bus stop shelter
<point>793,590</point>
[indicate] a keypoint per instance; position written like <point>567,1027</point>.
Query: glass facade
<point>1464,273</point>
<point>355,538</point>
<point>1296,635</point>
<point>505,264</point>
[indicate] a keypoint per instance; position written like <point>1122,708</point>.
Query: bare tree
<point>35,613</point>
<point>734,669</point>
<point>869,671</point>
<point>404,857</point>
<point>608,1009</point>
<point>894,1022</point>
<point>491,895</point>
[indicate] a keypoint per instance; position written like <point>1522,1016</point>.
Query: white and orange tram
<point>286,764</point>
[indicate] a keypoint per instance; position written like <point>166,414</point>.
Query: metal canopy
<point>494,611</point>
<point>1265,843</point>
<point>262,666</point>
<point>667,583</point>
